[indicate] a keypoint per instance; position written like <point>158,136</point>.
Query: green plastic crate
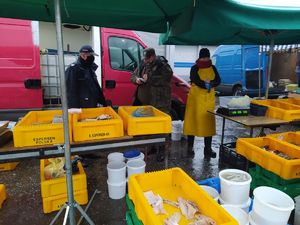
<point>258,180</point>
<point>274,177</point>
<point>129,218</point>
<point>132,217</point>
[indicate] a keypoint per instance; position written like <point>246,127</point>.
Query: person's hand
<point>139,81</point>
<point>207,86</point>
<point>145,77</point>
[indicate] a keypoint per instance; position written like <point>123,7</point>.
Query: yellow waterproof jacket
<point>197,121</point>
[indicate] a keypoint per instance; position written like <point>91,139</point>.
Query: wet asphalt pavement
<point>24,203</point>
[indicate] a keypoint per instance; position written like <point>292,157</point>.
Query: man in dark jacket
<point>83,89</point>
<point>153,80</point>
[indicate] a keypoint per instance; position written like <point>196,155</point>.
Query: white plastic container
<point>115,156</point>
<point>176,130</point>
<point>256,219</point>
<point>240,215</point>
<point>176,136</point>
<point>244,207</point>
<point>235,191</point>
<point>116,171</point>
<point>116,190</point>
<point>135,167</point>
<point>272,205</point>
<point>177,126</point>
<point>141,156</point>
<point>211,191</point>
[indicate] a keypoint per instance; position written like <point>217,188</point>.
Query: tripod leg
<point>83,213</point>
<point>58,214</point>
<point>66,215</point>
<point>89,204</point>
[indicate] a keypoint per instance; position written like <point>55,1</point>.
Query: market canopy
<point>145,15</point>
<point>231,22</point>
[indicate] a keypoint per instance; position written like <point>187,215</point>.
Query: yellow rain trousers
<point>197,121</point>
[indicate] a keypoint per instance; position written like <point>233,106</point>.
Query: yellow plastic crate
<point>54,203</point>
<point>251,148</point>
<point>26,134</point>
<point>3,195</point>
<point>8,166</point>
<point>58,186</point>
<point>95,130</point>
<point>280,110</point>
<point>294,101</point>
<point>160,123</point>
<point>289,137</point>
<point>171,184</point>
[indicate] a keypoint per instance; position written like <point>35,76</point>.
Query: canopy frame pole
<point>259,71</point>
<point>269,66</point>
<point>64,103</point>
<point>71,204</point>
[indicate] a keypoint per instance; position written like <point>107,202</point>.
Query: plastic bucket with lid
<point>115,156</point>
<point>211,191</point>
<point>240,215</point>
<point>135,167</point>
<point>116,190</point>
<point>272,204</point>
<point>133,154</point>
<point>141,156</point>
<point>116,171</point>
<point>235,186</point>
<point>244,207</point>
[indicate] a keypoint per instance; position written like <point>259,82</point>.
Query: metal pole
<point>259,73</point>
<point>270,65</point>
<point>61,65</point>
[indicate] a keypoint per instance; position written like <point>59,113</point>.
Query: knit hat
<point>204,52</point>
<point>148,52</point>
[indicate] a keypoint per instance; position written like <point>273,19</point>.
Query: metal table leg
<point>247,161</point>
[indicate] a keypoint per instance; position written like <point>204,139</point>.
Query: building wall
<point>73,38</point>
<point>283,66</point>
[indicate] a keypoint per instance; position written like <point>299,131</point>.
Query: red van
<point>24,85</point>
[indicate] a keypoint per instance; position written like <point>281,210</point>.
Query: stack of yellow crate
<point>54,191</point>
<point>2,194</point>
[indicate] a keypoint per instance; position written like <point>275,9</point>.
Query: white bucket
<point>235,192</point>
<point>244,207</point>
<point>256,219</point>
<point>177,126</point>
<point>211,191</point>
<point>116,171</point>
<point>139,157</point>
<point>240,215</point>
<point>272,204</point>
<point>116,190</point>
<point>135,167</point>
<point>176,136</point>
<point>115,156</point>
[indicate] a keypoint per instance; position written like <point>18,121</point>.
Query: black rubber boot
<point>190,147</point>
<point>208,152</point>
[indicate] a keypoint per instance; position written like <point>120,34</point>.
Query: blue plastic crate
<point>213,182</point>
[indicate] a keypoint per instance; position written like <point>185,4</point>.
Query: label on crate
<point>96,135</point>
<point>43,140</point>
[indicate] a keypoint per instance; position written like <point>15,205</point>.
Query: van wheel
<point>237,91</point>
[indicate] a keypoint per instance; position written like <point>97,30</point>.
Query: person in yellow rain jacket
<point>197,121</point>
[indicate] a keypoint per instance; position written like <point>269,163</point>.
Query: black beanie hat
<point>204,52</point>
